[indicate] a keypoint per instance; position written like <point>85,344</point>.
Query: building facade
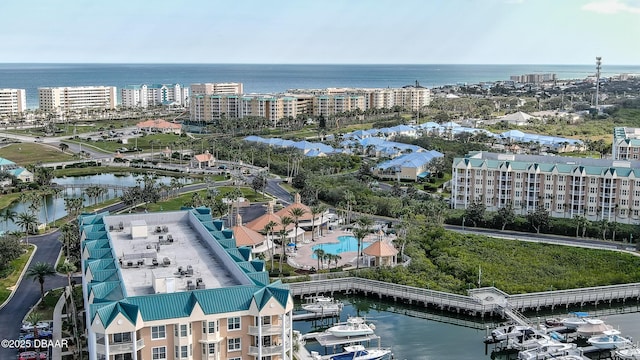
<point>144,299</point>
<point>12,102</point>
<point>626,143</point>
<point>65,99</point>
<point>564,186</point>
<point>153,95</point>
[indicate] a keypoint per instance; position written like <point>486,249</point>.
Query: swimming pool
<point>346,244</point>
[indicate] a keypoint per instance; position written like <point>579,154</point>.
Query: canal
<point>414,333</point>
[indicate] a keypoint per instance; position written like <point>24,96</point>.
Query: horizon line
<point>302,63</point>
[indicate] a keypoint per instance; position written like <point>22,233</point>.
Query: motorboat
<point>322,304</point>
<point>355,352</point>
<point>27,326</point>
<point>549,349</point>
<point>629,353</point>
<point>575,319</point>
<point>593,327</point>
<point>528,341</point>
<point>610,339</point>
<point>355,326</point>
<point>509,331</point>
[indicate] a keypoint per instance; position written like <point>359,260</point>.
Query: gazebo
<point>381,253</point>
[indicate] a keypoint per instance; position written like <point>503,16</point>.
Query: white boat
<point>610,339</point>
<point>549,349</point>
<point>630,353</point>
<point>355,326</point>
<point>510,331</point>
<point>322,304</point>
<point>527,342</point>
<point>354,352</point>
<point>593,327</point>
<point>575,319</point>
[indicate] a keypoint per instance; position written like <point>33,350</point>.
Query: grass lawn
<point>160,141</point>
<point>177,202</point>
<point>27,153</point>
<point>48,304</point>
<point>7,200</point>
<point>80,127</point>
<point>10,277</point>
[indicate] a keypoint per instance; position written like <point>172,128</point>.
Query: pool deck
<point>302,258</point>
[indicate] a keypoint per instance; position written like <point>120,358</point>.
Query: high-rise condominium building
<point>12,101</point>
<point>174,285</point>
<point>564,186</point>
<point>626,143</point>
<point>65,99</point>
<point>216,88</point>
<point>153,95</point>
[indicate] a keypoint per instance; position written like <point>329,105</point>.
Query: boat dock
<point>480,302</point>
<point>315,315</point>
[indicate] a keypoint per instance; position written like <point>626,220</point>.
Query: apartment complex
<point>65,99</point>
<point>217,88</point>
<point>12,102</point>
<point>533,78</point>
<point>153,95</point>
<point>211,106</point>
<point>626,143</point>
<point>564,186</point>
<point>174,285</point>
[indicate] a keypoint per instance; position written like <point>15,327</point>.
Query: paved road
<point>28,292</point>
<point>273,188</point>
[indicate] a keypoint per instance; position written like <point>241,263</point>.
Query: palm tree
<point>320,254</point>
<point>296,213</point>
<point>364,224</point>
<point>68,268</point>
<point>40,271</point>
<point>70,238</point>
<point>336,258</point>
<point>316,210</point>
<point>34,318</point>
<point>268,230</point>
<point>284,222</point>
<point>7,215</point>
<point>27,222</point>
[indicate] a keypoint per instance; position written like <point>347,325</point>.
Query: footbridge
<point>479,302</point>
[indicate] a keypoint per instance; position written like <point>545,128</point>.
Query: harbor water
<point>415,333</point>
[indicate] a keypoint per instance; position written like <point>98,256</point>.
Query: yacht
<point>510,331</point>
<point>549,349</point>
<point>630,353</point>
<point>593,327</point>
<point>355,326</point>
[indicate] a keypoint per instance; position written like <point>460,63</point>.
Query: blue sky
<point>322,31</point>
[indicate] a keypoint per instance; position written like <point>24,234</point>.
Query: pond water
<point>345,244</point>
<point>55,205</point>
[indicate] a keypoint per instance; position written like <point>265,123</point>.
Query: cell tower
<point>598,65</point>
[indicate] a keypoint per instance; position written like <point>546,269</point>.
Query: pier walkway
<point>480,302</point>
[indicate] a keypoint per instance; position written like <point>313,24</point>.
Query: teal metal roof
<point>106,291</point>
<point>109,312</point>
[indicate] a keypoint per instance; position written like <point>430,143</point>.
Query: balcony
<point>266,330</point>
<point>267,350</point>
<point>120,348</point>
<point>210,337</point>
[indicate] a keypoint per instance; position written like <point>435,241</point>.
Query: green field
<point>27,153</point>
<point>160,142</point>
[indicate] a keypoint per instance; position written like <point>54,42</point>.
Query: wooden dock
<point>480,302</point>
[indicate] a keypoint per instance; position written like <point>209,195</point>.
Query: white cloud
<point>611,7</point>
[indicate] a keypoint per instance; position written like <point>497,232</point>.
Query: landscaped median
<point>10,277</point>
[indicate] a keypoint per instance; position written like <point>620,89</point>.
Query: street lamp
<point>463,220</point>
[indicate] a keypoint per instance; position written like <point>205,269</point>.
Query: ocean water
<point>265,78</point>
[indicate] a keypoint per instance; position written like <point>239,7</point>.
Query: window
<point>489,182</point>
<point>236,358</point>
<point>625,182</point>
<point>561,187</point>
<point>182,351</point>
<point>547,187</point>
<point>561,178</point>
<point>183,330</point>
<point>122,337</point>
<point>233,323</point>
<point>209,349</point>
<point>548,178</point>
<point>158,332</point>
<point>593,181</point>
<point>122,357</point>
<point>233,344</point>
<point>159,353</point>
